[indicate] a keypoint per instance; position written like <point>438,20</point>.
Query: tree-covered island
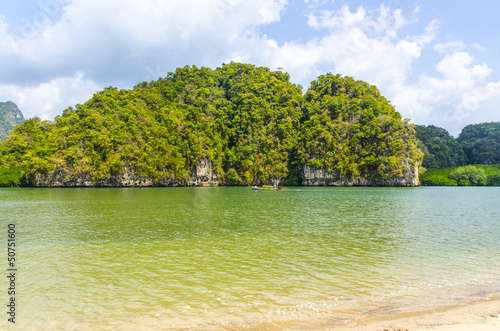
<point>234,125</point>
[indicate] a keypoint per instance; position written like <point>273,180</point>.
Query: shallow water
<point>233,258</point>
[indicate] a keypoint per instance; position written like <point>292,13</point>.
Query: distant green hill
<point>481,143</point>
<point>10,116</point>
<point>234,125</point>
<point>473,159</point>
<point>476,144</point>
<point>440,149</point>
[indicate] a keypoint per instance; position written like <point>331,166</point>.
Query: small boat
<point>265,188</point>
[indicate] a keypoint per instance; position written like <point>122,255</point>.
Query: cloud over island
<point>68,50</point>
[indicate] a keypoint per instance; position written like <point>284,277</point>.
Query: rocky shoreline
<point>204,175</point>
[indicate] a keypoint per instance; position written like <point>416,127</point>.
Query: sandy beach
<point>475,316</point>
<point>479,315</point>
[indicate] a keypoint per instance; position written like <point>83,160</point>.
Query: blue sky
<point>437,61</point>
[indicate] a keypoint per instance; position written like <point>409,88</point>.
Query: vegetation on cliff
<point>473,159</point>
<point>251,123</point>
<point>350,128</point>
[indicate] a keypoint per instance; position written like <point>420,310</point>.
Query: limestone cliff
<point>321,177</point>
<point>10,116</point>
<point>203,175</point>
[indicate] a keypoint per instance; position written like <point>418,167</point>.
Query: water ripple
<point>230,258</point>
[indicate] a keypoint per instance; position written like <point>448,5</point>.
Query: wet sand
<point>474,316</point>
<point>479,315</point>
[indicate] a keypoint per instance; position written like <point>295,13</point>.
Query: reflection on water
<point>173,258</point>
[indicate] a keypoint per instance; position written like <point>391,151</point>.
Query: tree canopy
<point>470,175</point>
<point>350,128</point>
<point>251,123</point>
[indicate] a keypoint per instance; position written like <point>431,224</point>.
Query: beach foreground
<point>481,315</point>
<point>477,316</point>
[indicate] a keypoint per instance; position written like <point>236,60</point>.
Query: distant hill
<point>440,149</point>
<point>10,116</point>
<point>481,143</point>
<point>476,144</point>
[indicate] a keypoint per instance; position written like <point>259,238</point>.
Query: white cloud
<point>342,18</point>
<point>365,44</point>
<point>456,67</point>
<point>479,47</point>
<point>449,46</point>
<point>93,44</point>
<point>49,99</point>
<point>317,3</point>
<point>120,43</point>
<point>459,97</point>
<point>116,38</point>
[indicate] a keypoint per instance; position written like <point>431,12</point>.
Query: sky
<point>438,62</point>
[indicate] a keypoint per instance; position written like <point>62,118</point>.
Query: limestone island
<point>238,124</point>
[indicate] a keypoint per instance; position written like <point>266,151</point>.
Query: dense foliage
<point>471,175</point>
<point>251,123</point>
<point>350,128</point>
<point>440,149</point>
<point>10,176</point>
<point>481,143</point>
<point>468,176</point>
<point>10,116</point>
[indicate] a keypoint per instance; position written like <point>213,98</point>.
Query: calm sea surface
<point>233,258</point>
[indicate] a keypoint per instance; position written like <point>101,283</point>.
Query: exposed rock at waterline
<point>203,175</point>
<point>322,177</point>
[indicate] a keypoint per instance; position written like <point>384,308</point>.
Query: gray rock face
<point>10,116</point>
<point>321,177</point>
<point>203,175</point>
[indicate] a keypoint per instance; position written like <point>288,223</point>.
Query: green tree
<point>233,178</point>
<point>468,175</point>
<point>10,176</point>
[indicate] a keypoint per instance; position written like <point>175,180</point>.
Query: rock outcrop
<point>10,116</point>
<point>322,177</point>
<point>203,175</point>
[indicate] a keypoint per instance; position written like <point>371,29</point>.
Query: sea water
<point>232,258</point>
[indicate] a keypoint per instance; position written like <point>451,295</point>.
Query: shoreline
<point>480,315</point>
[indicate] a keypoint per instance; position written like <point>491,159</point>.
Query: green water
<point>233,258</point>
